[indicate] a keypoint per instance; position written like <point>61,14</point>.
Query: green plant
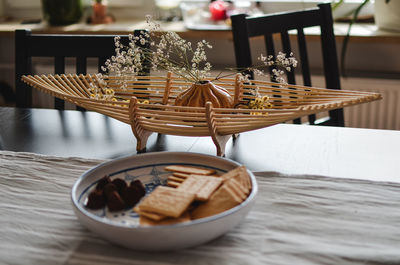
<point>61,12</point>
<point>354,16</point>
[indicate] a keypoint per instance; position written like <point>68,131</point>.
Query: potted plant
<point>61,12</point>
<point>387,16</point>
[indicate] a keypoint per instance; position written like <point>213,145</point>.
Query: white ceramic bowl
<point>122,228</point>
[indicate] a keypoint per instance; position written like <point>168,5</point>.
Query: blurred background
<point>372,60</point>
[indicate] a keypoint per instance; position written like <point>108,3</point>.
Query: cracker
<point>238,189</point>
<point>190,170</point>
<point>176,179</point>
<point>173,184</point>
<point>167,221</point>
<point>223,199</point>
<point>241,176</point>
<point>149,215</point>
<point>201,186</point>
<point>180,175</point>
<point>167,201</point>
<point>245,178</point>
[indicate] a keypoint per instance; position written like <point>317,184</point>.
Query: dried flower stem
<point>168,51</point>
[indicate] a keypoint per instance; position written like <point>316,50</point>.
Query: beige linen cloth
<point>296,220</point>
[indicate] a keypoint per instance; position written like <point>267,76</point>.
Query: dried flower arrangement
<point>167,51</point>
<point>217,107</point>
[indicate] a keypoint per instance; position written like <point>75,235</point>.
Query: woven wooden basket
<point>158,113</point>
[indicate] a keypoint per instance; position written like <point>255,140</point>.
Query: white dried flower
<point>168,51</point>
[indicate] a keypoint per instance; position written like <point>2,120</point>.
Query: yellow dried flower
<point>259,103</point>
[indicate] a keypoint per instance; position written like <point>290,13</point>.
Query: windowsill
<point>366,32</point>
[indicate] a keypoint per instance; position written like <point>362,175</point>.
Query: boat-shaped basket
<point>147,104</point>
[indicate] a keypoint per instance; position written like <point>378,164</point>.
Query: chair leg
<point>7,93</point>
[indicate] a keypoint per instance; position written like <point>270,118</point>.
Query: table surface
<point>296,219</point>
<point>285,148</point>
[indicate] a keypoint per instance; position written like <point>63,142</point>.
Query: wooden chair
<point>59,47</point>
<point>244,28</point>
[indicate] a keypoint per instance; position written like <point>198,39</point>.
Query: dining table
<point>327,195</point>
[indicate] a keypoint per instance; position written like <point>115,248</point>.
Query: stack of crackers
<point>194,193</point>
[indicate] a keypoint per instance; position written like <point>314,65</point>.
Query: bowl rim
<point>208,219</point>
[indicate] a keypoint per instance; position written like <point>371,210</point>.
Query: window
<point>22,3</point>
<point>271,6</point>
<point>129,8</point>
<point>22,9</point>
<point>36,3</point>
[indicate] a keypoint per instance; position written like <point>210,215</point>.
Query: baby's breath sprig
<point>166,51</point>
<point>172,53</point>
<point>281,63</point>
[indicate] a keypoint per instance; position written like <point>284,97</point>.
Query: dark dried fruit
<point>96,200</point>
<point>110,188</point>
<point>140,187</point>
<point>102,182</point>
<point>120,184</point>
<point>131,195</point>
<point>115,202</point>
<point>116,194</point>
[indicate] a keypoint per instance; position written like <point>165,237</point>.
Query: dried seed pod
<point>199,93</point>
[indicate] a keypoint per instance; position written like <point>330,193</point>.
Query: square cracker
<point>173,184</point>
<point>190,170</point>
<point>149,215</point>
<point>241,176</point>
<point>223,199</point>
<point>180,175</point>
<point>167,201</point>
<point>176,179</point>
<point>238,189</point>
<point>143,220</point>
<point>201,186</point>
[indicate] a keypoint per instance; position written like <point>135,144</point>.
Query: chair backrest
<point>59,47</point>
<point>245,27</point>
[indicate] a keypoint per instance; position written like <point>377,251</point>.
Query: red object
<point>218,10</point>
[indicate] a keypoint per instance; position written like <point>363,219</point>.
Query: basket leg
<point>218,139</point>
<point>141,137</point>
<point>141,134</point>
<point>220,143</point>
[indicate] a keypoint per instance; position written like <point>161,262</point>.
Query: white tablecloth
<point>296,220</point>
